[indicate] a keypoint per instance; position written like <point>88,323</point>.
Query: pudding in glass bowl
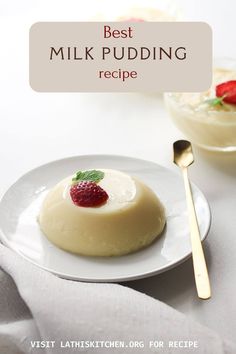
<point>208,118</point>
<point>101,213</point>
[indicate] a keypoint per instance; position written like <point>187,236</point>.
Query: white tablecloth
<point>39,127</point>
<point>39,308</point>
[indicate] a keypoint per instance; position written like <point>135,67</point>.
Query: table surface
<point>40,127</point>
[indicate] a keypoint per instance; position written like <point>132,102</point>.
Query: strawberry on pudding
<point>88,194</point>
<point>101,213</point>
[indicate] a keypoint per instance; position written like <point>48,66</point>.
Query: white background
<point>37,128</point>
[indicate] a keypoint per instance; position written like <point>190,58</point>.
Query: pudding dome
<point>130,219</point>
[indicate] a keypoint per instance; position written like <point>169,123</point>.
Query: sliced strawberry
<point>227,90</point>
<point>88,194</point>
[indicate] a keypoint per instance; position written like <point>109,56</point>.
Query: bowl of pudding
<point>101,212</point>
<point>208,118</point>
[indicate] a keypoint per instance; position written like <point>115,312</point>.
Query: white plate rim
<point>137,276</point>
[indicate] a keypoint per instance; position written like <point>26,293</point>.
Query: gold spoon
<point>183,157</point>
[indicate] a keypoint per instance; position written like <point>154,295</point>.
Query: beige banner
<point>120,56</point>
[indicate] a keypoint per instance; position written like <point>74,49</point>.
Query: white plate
<point>19,229</point>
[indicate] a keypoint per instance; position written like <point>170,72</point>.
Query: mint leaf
<point>91,175</point>
<point>215,101</point>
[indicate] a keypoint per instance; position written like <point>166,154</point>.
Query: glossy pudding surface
<point>130,219</point>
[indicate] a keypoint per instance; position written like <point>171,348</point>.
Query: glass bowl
<point>207,126</point>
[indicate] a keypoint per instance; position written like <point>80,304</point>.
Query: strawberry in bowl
<point>226,92</point>
<point>208,118</point>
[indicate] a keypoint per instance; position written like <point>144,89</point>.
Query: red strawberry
<point>227,91</point>
<point>88,194</point>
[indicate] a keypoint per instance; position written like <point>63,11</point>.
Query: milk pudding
<point>208,118</point>
<point>101,213</point>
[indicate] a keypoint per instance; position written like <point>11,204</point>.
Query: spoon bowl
<point>183,153</point>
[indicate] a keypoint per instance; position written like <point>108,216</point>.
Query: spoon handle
<point>199,263</point>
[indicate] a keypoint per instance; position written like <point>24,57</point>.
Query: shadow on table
<point>223,161</point>
<point>173,286</point>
